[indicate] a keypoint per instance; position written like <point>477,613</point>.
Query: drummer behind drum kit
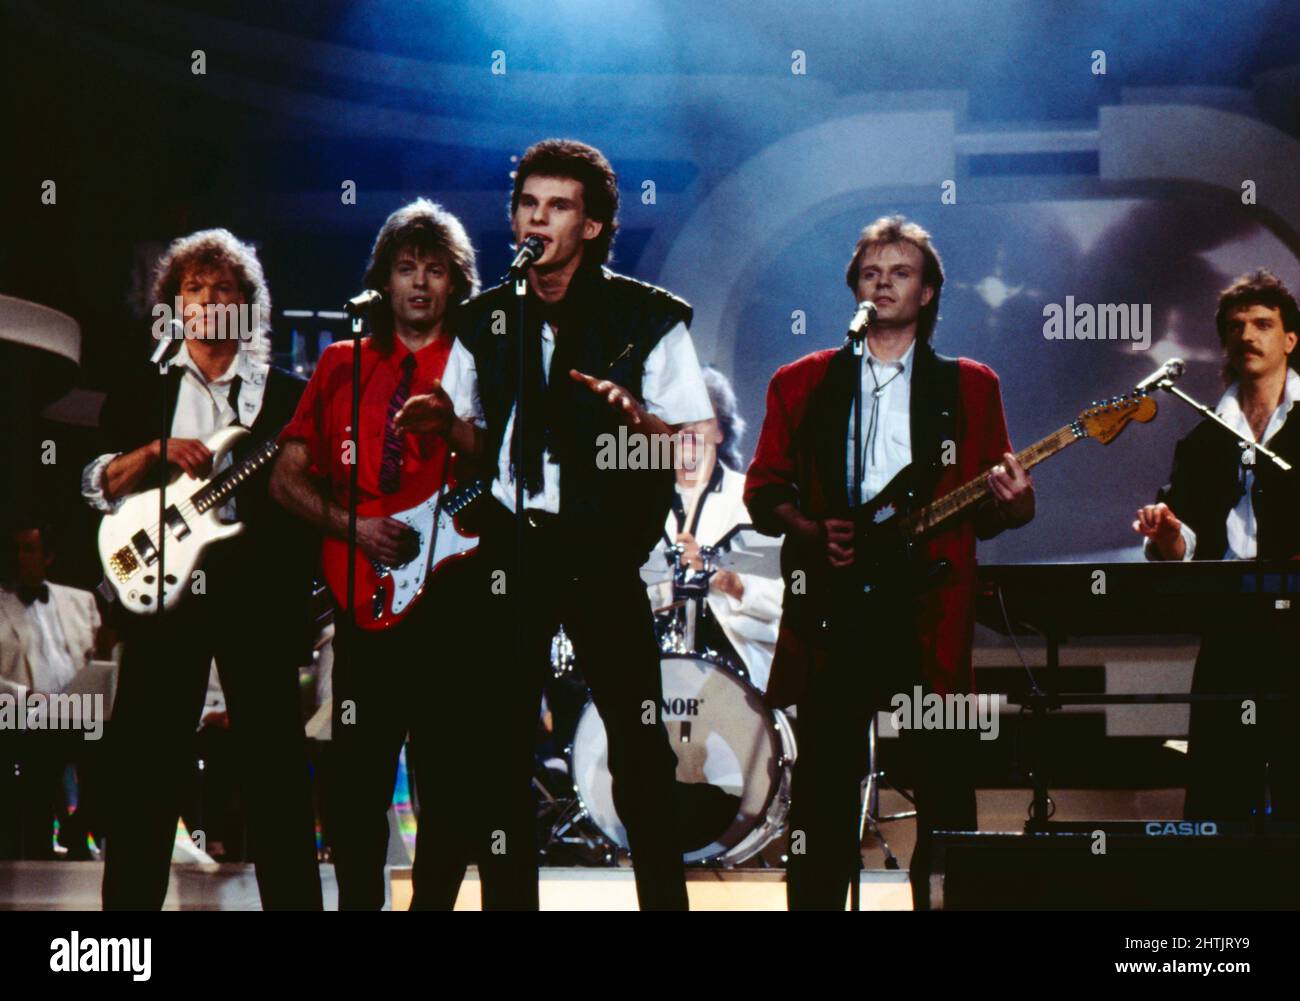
<point>734,755</point>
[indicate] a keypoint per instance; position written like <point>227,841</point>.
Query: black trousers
<point>861,674</point>
<point>1235,761</point>
<point>606,613</point>
<point>427,678</point>
<point>32,795</point>
<point>151,742</point>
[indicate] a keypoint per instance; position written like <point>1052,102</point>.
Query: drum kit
<point>734,754</point>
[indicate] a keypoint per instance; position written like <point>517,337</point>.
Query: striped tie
<point>390,469</point>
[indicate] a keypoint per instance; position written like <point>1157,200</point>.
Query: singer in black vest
<point>606,358</point>
<point>251,612</point>
<point>1222,503</point>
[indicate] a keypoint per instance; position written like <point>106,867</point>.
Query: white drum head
<point>730,763</point>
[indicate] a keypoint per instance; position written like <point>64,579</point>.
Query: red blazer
<point>800,458</point>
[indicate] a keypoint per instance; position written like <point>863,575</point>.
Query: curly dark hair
<point>587,165</point>
<point>897,229</point>
<point>426,228</point>
<point>1256,288</point>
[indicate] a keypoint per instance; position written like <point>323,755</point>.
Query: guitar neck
<point>464,497</point>
<point>952,504</point>
<point>222,487</point>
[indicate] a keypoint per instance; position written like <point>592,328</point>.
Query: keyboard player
<point>1222,504</point>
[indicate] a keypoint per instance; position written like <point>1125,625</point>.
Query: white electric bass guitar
<point>129,538</point>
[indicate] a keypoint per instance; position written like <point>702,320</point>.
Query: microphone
<point>1163,376</point>
<point>169,343</point>
<point>532,248</point>
<point>863,318</point>
<point>359,304</point>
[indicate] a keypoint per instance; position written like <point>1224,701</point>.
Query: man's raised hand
<point>615,395</point>
<point>428,412</point>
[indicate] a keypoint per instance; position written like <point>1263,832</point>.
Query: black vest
<point>1206,484</point>
<point>612,325</point>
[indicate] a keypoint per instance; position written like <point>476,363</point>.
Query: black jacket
<point>1205,485</point>
<point>614,323</point>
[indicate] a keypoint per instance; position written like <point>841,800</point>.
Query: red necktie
<point>390,469</point>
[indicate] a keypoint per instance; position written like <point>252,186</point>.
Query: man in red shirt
<point>418,404</point>
<point>840,670</point>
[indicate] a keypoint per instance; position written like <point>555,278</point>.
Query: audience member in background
<point>47,636</point>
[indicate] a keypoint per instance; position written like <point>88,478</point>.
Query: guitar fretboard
<point>219,490</point>
<point>933,514</point>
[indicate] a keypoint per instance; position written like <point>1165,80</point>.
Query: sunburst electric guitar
<point>892,525</point>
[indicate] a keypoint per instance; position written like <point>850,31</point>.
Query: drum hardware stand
<point>694,592</point>
<point>870,818</point>
<point>571,826</point>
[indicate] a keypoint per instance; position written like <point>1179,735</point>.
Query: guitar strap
<point>233,399</point>
<point>941,418</point>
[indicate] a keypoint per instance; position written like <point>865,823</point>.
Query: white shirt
<point>60,666</point>
<point>751,622</point>
<point>889,450</point>
<point>1243,531</point>
<point>202,408</point>
<point>460,383</point>
<point>672,389</point>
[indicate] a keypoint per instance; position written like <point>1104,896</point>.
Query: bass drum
<point>734,759</point>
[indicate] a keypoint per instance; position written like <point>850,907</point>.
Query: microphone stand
<point>859,356</point>
<point>358,323</point>
<point>1246,445</point>
<point>869,818</point>
<point>531,250</point>
<point>521,293</point>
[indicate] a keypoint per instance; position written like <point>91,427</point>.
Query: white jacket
<point>20,663</point>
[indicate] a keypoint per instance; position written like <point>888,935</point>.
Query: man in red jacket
<point>943,417</point>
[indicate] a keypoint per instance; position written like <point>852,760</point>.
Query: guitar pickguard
<point>406,581</point>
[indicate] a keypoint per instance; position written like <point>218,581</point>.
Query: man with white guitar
<point>246,605</point>
<point>403,666</point>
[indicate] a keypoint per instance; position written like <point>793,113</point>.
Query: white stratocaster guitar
<point>128,538</point>
<point>384,595</point>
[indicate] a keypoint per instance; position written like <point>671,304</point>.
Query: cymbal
<point>655,570</point>
<point>741,550</point>
<point>751,552</point>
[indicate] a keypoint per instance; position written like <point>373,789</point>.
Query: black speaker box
<point>1153,866</point>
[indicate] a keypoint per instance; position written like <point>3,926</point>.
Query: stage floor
<point>75,886</point>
